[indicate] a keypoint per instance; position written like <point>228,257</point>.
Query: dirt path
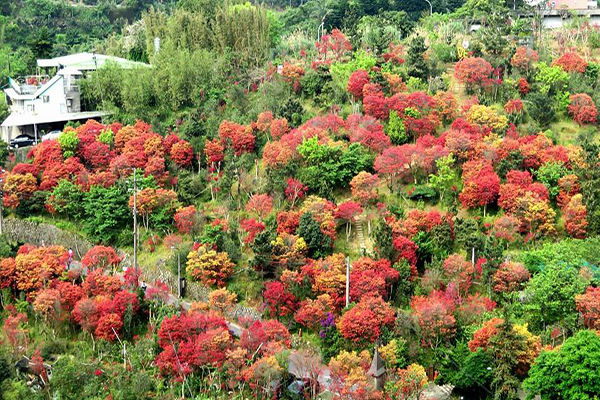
<point>454,86</point>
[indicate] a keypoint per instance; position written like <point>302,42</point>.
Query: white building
<point>39,103</point>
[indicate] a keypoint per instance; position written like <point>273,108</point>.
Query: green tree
<point>6,248</point>
<point>540,109</point>
<point>549,174</point>
<point>3,151</point>
<point>5,367</point>
<point>384,241</point>
<point>245,31</point>
<point>329,167</point>
<point>551,295</point>
<point>572,252</point>
<point>103,88</point>
<point>513,161</point>
<point>263,252</point>
<point>396,129</point>
<point>506,345</point>
<point>480,8</point>
<point>317,243</point>
<point>106,212</point>
<point>589,180</point>
<point>66,198</point>
<point>493,34</point>
<point>415,60</point>
<point>73,378</point>
<point>191,187</point>
<point>41,42</point>
<point>469,372</point>
<point>403,289</point>
<point>4,111</point>
<point>376,32</point>
<point>475,373</point>
<point>569,372</point>
<point>445,177</point>
<point>292,110</point>
<point>552,80</point>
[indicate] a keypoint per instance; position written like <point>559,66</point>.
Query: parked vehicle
<point>51,135</point>
<point>21,141</point>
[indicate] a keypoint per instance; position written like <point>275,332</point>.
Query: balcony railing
<point>30,83</point>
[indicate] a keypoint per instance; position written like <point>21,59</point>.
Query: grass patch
<point>248,286</point>
<point>565,132</point>
<point>63,224</point>
<point>351,248</point>
<point>153,260</point>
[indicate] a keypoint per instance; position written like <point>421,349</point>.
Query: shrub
<point>68,142</point>
<point>524,58</point>
<point>357,81</point>
<point>571,62</point>
<point>209,267</point>
<point>582,109</point>
<point>475,73</point>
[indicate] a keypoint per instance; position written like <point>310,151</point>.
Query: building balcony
<point>30,83</point>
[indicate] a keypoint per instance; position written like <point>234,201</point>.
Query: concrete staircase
<point>360,235</point>
<point>435,392</point>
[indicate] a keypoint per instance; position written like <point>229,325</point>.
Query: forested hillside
<point>364,201</point>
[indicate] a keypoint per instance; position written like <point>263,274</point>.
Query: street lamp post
<point>430,7</point>
<point>321,27</point>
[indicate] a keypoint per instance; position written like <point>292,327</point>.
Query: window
<point>30,108</point>
<point>46,99</point>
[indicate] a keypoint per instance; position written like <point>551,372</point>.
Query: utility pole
<point>135,225</point>
<point>2,177</point>
<point>347,281</point>
<point>179,281</point>
<point>178,274</point>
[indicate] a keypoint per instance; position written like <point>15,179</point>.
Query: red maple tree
<point>182,154</point>
<point>364,321</point>
<point>260,204</point>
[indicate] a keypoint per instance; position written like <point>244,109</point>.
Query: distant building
<point>40,103</point>
<point>568,4</point>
